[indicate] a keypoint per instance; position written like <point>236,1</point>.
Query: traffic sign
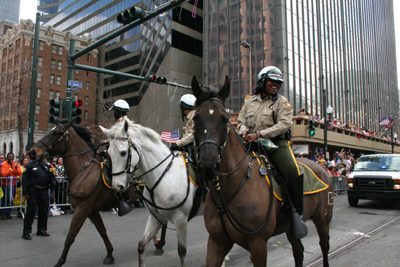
<point>74,83</point>
<point>74,88</point>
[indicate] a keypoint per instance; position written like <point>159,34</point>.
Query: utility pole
<point>70,77</point>
<point>32,92</point>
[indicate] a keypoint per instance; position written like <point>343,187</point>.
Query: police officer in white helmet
<point>120,107</point>
<point>186,103</point>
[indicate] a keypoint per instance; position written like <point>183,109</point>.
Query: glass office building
<point>9,11</point>
<point>344,47</point>
<point>140,51</point>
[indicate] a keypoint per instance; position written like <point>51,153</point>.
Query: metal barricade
<point>339,184</point>
<point>61,192</point>
<point>11,195</point>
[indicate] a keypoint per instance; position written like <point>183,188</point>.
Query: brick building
<point>16,52</point>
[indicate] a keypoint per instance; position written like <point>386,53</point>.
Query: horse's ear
<point>126,126</point>
<point>196,87</point>
<point>106,131</point>
<point>224,92</point>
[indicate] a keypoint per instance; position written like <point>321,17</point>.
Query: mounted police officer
<point>187,109</point>
<point>267,114</point>
<point>36,181</point>
<point>120,108</point>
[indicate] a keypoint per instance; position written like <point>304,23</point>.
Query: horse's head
<point>124,155</point>
<point>211,127</point>
<point>53,143</point>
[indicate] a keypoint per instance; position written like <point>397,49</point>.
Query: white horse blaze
<point>211,111</point>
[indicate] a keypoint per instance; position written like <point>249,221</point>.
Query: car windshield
<point>378,163</point>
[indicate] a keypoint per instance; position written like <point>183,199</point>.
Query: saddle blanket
<point>312,184</point>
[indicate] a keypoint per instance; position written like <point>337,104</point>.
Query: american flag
<point>385,121</point>
<point>170,137</point>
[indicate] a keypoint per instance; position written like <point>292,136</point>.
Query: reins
<point>223,208</point>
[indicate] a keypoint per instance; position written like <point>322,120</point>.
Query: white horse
<point>172,193</point>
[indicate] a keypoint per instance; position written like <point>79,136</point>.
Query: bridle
<point>56,142</point>
<point>129,158</point>
<point>211,141</point>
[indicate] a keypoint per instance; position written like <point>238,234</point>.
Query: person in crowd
<point>301,112</point>
<point>316,117</point>
<point>61,192</point>
<point>322,161</point>
<point>332,162</point>
<point>24,161</point>
<point>9,169</point>
<point>36,181</point>
<point>187,108</point>
<point>266,114</point>
<point>2,158</point>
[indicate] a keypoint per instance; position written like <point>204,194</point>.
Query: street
<point>348,224</point>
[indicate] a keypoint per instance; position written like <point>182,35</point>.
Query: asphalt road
<point>348,224</point>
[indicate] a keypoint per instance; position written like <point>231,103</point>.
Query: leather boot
<point>123,207</point>
<point>298,229</point>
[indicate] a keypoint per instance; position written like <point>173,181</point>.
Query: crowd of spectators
<point>338,123</point>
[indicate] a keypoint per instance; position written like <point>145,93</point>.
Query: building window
<point>38,92</point>
<point>53,64</point>
<point>4,52</point>
<point>36,125</point>
<point>60,50</point>
<point>54,50</point>
<point>58,81</point>
<point>52,78</point>
<point>87,86</point>
<point>18,43</point>
<point>86,100</point>
<point>39,77</point>
<point>37,109</point>
<point>88,57</point>
<point>51,94</point>
<point>59,65</point>
<point>58,94</point>
<point>41,45</point>
<point>40,61</point>
<point>85,115</point>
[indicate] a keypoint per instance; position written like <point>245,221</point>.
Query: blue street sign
<point>74,83</point>
<point>74,88</point>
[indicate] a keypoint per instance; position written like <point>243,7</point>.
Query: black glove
<point>174,147</point>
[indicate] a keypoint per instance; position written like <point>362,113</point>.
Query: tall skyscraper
<point>169,45</point>
<point>9,10</point>
<point>344,47</point>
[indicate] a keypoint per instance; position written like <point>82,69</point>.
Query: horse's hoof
<point>158,252</point>
<point>108,261</point>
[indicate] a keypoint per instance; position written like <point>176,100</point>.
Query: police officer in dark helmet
<point>36,181</point>
<point>266,114</point>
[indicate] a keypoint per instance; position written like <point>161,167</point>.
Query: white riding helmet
<point>120,105</point>
<point>270,72</point>
<point>187,101</point>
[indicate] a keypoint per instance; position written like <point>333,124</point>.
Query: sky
<point>28,10</point>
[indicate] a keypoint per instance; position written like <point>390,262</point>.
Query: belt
<point>40,188</point>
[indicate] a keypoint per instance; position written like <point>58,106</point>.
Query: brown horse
<point>240,207</point>
<point>88,194</point>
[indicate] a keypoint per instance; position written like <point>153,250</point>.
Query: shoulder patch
<point>287,104</point>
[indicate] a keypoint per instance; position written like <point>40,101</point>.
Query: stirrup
<point>298,228</point>
<point>123,208</point>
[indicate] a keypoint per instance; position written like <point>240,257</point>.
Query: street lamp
<point>247,45</point>
<point>394,137</point>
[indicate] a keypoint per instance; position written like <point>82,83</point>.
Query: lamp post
<point>394,137</point>
<point>247,45</point>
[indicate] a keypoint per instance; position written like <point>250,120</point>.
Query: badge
<point>263,171</point>
<point>287,104</point>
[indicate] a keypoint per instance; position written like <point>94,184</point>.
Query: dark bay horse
<point>240,207</point>
<point>88,194</point>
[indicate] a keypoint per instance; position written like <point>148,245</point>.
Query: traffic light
<point>54,110</point>
<point>76,111</point>
<point>130,15</point>
<point>157,79</point>
<point>311,128</point>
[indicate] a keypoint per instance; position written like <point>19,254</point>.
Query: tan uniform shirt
<point>188,136</point>
<point>257,115</point>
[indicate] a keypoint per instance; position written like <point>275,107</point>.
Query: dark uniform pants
<point>284,160</point>
<point>37,200</point>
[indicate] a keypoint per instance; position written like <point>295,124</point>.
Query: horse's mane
<point>83,132</point>
<point>208,92</point>
<point>138,130</point>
